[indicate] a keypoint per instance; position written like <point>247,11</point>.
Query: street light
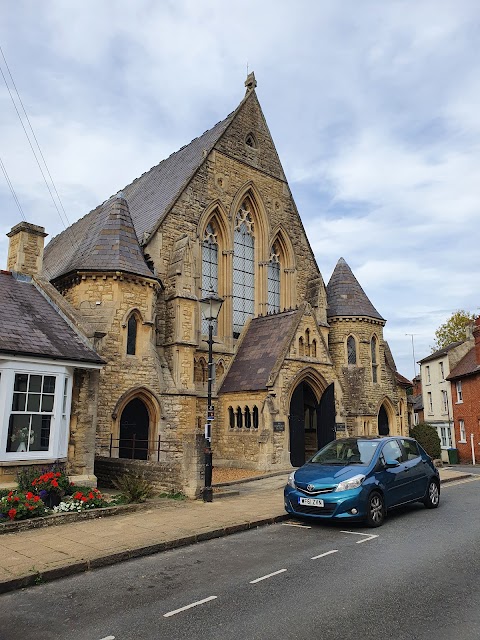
<point>210,306</point>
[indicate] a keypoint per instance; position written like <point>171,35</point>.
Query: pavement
<point>38,555</point>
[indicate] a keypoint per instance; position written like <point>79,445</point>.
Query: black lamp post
<point>210,306</point>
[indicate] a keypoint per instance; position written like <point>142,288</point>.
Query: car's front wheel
<point>432,497</point>
<point>375,510</point>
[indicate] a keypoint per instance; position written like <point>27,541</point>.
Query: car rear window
<point>411,449</point>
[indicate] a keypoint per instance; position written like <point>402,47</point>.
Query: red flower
<point>84,499</point>
<point>12,513</point>
<point>16,499</point>
<point>58,474</point>
<point>78,495</point>
<point>54,483</point>
<point>90,495</point>
<point>29,495</point>
<point>10,494</point>
<point>36,498</point>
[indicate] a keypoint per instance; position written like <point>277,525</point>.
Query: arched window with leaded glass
<point>132,335</point>
<point>374,348</point>
<point>274,280</point>
<point>351,350</point>
<point>243,269</point>
<point>209,268</point>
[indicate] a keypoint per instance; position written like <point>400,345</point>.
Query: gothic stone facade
<point>219,215</point>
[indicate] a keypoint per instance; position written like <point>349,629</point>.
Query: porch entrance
<point>312,423</point>
<point>383,426</point>
<point>134,428</point>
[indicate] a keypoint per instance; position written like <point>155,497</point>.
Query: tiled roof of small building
<point>149,198</point>
<point>346,297</point>
<point>31,326</point>
<point>440,352</point>
<point>467,366</point>
<point>404,382</point>
<point>259,351</point>
<point>109,243</point>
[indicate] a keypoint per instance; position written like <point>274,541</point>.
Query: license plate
<point>311,502</point>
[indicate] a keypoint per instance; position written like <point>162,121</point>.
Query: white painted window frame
<point>60,423</point>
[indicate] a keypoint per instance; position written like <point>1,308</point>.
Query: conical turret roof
<point>346,297</point>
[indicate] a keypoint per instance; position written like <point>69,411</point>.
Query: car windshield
<point>346,451</point>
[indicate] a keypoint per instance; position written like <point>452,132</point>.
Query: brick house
<point>296,362</point>
<point>465,383</point>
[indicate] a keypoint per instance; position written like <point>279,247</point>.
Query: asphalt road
<point>417,579</point>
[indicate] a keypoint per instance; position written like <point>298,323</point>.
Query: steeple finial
<point>250,82</point>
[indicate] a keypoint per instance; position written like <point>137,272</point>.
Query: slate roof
<point>259,351</point>
<point>440,352</point>
<point>31,326</point>
<point>467,366</point>
<point>149,198</point>
<point>346,297</point>
<point>401,380</point>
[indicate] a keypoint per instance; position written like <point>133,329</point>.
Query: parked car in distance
<point>362,478</point>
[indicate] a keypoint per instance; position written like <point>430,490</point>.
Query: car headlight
<point>352,483</point>
<point>291,480</point>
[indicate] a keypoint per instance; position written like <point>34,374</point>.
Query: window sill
<point>461,442</point>
<point>16,463</point>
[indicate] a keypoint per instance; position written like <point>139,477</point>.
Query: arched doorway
<point>383,426</point>
<point>134,431</point>
<point>312,423</point>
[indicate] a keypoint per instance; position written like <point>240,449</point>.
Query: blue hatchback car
<point>362,478</point>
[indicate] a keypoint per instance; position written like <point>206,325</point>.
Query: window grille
<point>351,350</point>
<point>209,269</point>
<point>243,270</point>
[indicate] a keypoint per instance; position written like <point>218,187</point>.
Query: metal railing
<point>132,448</point>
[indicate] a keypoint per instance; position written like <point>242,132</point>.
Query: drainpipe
<point>473,448</point>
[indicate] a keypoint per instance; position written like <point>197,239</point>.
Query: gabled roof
<point>346,297</point>
<point>262,346</point>
<point>441,352</point>
<point>108,243</point>
<point>467,366</point>
<point>31,326</point>
<point>149,198</point>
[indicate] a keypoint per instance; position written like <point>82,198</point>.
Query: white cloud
<point>373,109</point>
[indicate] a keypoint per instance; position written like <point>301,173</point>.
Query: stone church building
<point>297,363</point>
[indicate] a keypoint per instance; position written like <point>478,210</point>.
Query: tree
<point>427,437</point>
<point>453,330</point>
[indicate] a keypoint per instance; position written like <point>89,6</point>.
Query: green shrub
<point>427,437</point>
<point>25,477</point>
<point>133,487</point>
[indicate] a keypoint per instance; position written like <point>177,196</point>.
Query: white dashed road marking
<point>189,606</point>
<point>275,573</point>
<point>327,553</point>
<point>108,638</point>
<point>369,536</point>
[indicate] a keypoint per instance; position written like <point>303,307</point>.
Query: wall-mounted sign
<point>340,427</point>
<point>278,426</point>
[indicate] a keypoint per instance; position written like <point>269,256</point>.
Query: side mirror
<point>391,464</point>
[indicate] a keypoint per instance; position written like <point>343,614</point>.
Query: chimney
<point>476,335</point>
<point>25,250</point>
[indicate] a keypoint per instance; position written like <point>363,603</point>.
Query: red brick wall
<point>469,412</point>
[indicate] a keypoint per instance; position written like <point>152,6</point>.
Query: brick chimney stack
<point>476,336</point>
<point>25,250</point>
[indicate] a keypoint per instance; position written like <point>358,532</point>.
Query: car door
<point>416,468</point>
<point>395,480</point>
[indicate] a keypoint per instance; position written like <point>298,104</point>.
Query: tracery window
<point>274,280</point>
<point>243,269</point>
<point>209,268</point>
<point>248,418</point>
<point>351,350</point>
<point>132,335</point>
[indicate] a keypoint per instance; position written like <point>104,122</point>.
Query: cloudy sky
<point>373,106</point>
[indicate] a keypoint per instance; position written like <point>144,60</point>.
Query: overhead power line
<point>12,190</point>
<point>63,217</point>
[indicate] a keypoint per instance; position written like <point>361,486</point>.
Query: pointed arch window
<point>243,269</point>
<point>209,268</point>
<point>373,346</point>
<point>274,280</point>
<point>351,350</point>
<point>132,335</point>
